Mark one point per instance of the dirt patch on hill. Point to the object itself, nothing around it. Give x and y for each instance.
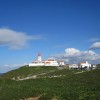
(36, 98)
(32, 98)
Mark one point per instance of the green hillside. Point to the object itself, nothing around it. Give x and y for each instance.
(25, 71)
(55, 84)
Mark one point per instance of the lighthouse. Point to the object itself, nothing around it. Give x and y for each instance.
(39, 62)
(39, 57)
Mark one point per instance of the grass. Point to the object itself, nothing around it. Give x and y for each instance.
(27, 71)
(82, 86)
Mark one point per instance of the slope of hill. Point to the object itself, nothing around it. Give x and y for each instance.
(1, 73)
(26, 71)
(70, 85)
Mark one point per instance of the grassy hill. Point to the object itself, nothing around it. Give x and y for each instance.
(25, 71)
(68, 85)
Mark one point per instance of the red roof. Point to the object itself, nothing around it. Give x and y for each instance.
(47, 62)
(50, 60)
(39, 54)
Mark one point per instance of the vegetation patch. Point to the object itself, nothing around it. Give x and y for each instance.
(71, 86)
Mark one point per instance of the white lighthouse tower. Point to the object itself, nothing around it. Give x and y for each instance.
(39, 57)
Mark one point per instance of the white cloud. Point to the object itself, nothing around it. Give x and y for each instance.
(14, 39)
(72, 55)
(71, 51)
(95, 45)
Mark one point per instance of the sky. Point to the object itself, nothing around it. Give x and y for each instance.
(67, 30)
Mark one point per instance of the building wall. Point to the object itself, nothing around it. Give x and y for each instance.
(61, 63)
(36, 64)
(85, 64)
(73, 66)
(45, 63)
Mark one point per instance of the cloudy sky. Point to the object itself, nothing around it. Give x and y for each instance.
(63, 29)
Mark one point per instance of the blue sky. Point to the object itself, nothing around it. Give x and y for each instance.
(64, 29)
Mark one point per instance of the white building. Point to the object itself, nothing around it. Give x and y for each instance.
(39, 57)
(85, 65)
(93, 66)
(73, 66)
(61, 63)
(51, 62)
(36, 63)
(39, 62)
